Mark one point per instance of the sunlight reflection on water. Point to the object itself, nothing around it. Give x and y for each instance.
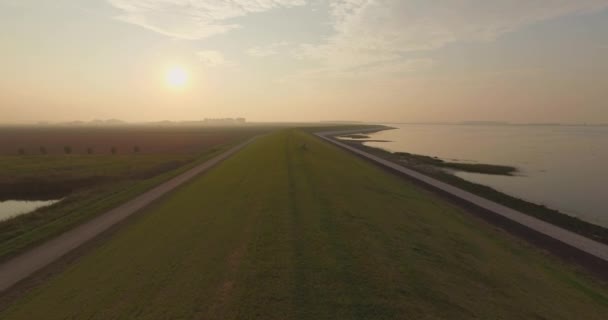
(562, 167)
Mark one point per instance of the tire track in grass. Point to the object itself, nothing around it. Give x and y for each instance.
(264, 287)
(319, 245)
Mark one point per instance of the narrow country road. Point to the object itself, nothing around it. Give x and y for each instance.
(584, 244)
(27, 263)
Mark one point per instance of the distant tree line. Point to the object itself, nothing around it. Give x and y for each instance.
(68, 150)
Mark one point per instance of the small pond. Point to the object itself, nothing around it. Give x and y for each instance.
(13, 208)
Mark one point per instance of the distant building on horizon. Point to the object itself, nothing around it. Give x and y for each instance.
(224, 121)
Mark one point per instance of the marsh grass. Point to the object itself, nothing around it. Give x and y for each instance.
(422, 160)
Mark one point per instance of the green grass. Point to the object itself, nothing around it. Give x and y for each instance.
(416, 160)
(13, 168)
(356, 136)
(284, 232)
(563, 220)
(480, 168)
(55, 176)
(92, 184)
(27, 230)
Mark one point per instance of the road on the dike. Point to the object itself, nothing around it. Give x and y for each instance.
(579, 242)
(26, 264)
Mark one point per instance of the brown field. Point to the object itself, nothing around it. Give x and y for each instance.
(43, 161)
(150, 140)
(90, 184)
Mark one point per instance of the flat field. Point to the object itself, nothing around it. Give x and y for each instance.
(294, 228)
(101, 140)
(56, 176)
(91, 183)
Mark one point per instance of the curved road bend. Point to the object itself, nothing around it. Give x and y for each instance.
(589, 246)
(24, 265)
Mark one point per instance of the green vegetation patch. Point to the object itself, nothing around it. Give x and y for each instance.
(356, 136)
(421, 160)
(295, 228)
(55, 176)
(93, 183)
(27, 230)
(563, 220)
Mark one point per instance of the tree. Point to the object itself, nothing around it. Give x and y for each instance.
(67, 149)
(43, 150)
(136, 149)
(21, 151)
(113, 150)
(89, 150)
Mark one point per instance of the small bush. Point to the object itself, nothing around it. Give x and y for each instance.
(21, 151)
(89, 150)
(113, 150)
(67, 150)
(43, 150)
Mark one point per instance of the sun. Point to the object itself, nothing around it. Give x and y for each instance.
(176, 77)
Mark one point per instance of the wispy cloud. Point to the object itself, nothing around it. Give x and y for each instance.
(372, 32)
(268, 50)
(386, 70)
(377, 35)
(212, 58)
(192, 19)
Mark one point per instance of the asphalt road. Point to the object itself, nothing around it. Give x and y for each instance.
(589, 246)
(24, 265)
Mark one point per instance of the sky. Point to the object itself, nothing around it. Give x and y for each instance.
(305, 60)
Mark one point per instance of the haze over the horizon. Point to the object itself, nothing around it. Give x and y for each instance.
(304, 60)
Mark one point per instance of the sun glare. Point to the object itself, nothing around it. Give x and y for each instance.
(176, 77)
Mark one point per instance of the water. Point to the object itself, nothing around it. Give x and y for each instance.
(13, 208)
(561, 167)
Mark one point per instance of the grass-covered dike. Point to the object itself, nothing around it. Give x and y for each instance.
(91, 184)
(294, 228)
(432, 167)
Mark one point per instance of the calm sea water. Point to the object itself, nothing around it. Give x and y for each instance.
(13, 208)
(562, 167)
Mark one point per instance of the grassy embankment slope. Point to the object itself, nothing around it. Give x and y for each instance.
(282, 231)
(24, 231)
(91, 184)
(429, 166)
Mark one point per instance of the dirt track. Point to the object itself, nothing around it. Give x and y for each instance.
(29, 262)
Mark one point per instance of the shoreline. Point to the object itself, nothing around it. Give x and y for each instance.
(553, 216)
(584, 253)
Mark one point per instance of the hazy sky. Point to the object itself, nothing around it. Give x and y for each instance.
(302, 60)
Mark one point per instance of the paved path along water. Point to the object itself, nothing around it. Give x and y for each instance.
(572, 239)
(27, 263)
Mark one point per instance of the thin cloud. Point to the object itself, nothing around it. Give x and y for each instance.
(211, 58)
(386, 70)
(192, 19)
(267, 50)
(368, 32)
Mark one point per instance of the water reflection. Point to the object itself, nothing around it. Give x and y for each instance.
(13, 208)
(562, 167)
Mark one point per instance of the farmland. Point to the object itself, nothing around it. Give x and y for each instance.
(294, 228)
(101, 140)
(78, 165)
